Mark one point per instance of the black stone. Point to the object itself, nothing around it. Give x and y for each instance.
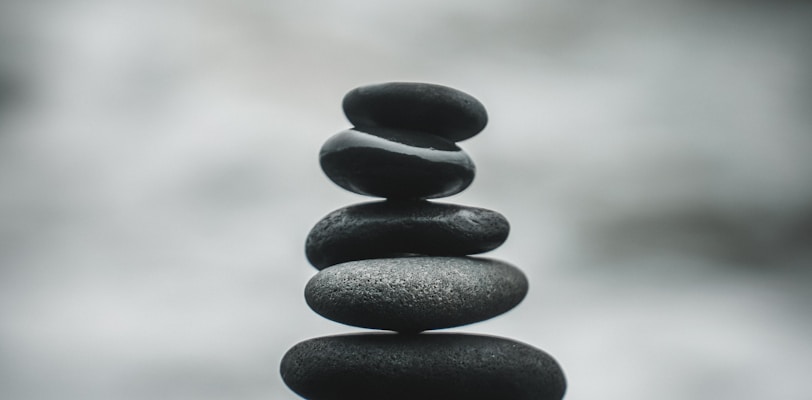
(413, 294)
(396, 164)
(425, 367)
(429, 108)
(394, 228)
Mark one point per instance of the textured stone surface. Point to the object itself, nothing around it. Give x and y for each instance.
(396, 164)
(412, 294)
(425, 367)
(434, 109)
(393, 228)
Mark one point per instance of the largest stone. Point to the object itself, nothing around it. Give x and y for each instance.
(425, 367)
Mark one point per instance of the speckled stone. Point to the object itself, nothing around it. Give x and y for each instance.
(426, 367)
(413, 294)
(394, 228)
(424, 107)
(396, 164)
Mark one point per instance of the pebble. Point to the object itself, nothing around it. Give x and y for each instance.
(396, 164)
(413, 294)
(425, 366)
(394, 228)
(434, 109)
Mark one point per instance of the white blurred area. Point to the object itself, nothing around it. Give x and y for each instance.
(159, 174)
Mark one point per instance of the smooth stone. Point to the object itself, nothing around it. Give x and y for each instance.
(424, 107)
(413, 294)
(396, 164)
(427, 367)
(394, 228)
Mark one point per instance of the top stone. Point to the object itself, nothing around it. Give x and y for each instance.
(429, 108)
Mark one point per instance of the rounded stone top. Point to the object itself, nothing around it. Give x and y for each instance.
(425, 107)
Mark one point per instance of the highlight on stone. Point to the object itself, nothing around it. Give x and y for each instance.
(404, 264)
(396, 164)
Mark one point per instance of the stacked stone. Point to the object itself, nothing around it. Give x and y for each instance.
(403, 264)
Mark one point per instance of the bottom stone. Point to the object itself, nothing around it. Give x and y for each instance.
(427, 366)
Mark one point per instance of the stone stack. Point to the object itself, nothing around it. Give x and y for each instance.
(403, 264)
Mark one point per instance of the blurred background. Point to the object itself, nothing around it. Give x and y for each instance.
(159, 174)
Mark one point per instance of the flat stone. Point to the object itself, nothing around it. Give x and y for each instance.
(413, 294)
(394, 228)
(425, 366)
(424, 107)
(396, 164)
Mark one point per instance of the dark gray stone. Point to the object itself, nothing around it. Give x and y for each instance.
(396, 164)
(424, 107)
(425, 367)
(394, 228)
(413, 294)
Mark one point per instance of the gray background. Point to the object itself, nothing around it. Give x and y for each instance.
(159, 173)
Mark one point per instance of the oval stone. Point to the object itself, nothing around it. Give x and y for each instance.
(435, 109)
(396, 164)
(394, 228)
(413, 294)
(426, 366)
